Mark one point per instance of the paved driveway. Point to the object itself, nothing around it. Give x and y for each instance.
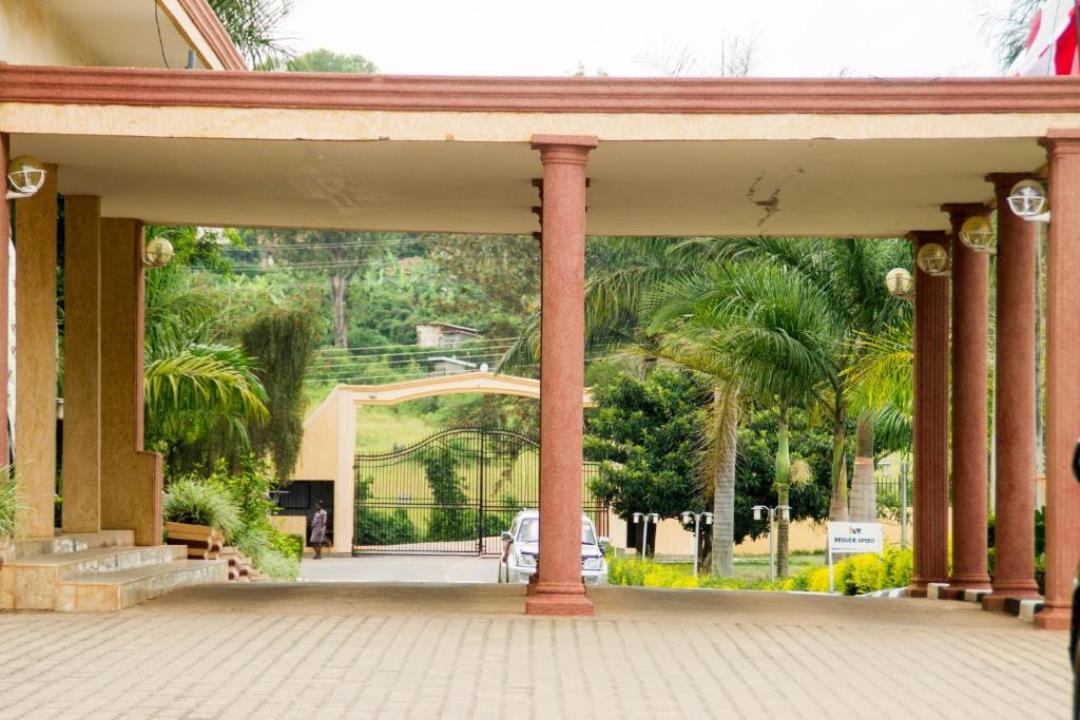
(465, 651)
(401, 568)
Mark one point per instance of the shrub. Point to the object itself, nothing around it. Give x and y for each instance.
(818, 580)
(448, 522)
(201, 502)
(9, 504)
(864, 573)
(377, 527)
(650, 573)
(237, 503)
(899, 567)
(1040, 571)
(288, 545)
(278, 566)
(857, 574)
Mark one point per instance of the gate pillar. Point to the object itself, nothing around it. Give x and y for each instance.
(559, 590)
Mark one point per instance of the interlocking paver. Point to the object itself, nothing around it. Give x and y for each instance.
(351, 651)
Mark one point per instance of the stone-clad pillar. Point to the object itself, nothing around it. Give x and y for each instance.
(971, 314)
(35, 345)
(1062, 379)
(1014, 419)
(81, 467)
(130, 478)
(5, 234)
(931, 415)
(559, 590)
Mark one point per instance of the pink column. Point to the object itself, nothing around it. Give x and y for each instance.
(1062, 379)
(971, 309)
(931, 431)
(1014, 420)
(559, 589)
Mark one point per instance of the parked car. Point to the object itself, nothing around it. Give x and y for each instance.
(521, 550)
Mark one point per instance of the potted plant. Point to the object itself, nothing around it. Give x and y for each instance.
(200, 515)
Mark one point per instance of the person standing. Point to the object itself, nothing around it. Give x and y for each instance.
(318, 530)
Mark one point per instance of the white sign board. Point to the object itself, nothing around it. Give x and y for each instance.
(848, 538)
(851, 538)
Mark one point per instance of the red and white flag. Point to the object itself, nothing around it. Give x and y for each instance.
(1051, 45)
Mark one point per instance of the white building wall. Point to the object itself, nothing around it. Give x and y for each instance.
(31, 35)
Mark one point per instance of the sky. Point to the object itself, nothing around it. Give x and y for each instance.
(791, 38)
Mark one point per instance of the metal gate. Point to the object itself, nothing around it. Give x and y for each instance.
(453, 492)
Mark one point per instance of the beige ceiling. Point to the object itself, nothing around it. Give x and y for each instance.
(821, 187)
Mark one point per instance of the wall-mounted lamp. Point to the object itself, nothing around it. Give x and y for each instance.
(1028, 201)
(900, 284)
(933, 259)
(158, 253)
(25, 176)
(978, 234)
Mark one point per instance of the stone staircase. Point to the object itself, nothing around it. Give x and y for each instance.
(97, 572)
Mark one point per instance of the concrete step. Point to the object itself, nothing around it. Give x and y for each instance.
(30, 583)
(69, 543)
(106, 592)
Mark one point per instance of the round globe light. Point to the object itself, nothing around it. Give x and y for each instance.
(978, 234)
(26, 174)
(1028, 198)
(158, 253)
(899, 283)
(933, 259)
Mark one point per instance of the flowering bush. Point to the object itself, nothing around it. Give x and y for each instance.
(853, 575)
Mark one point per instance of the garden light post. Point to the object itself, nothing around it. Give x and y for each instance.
(698, 517)
(784, 513)
(645, 519)
(903, 504)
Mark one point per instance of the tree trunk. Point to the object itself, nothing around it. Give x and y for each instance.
(838, 508)
(726, 425)
(863, 485)
(783, 491)
(339, 284)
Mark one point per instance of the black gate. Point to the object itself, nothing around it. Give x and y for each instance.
(452, 492)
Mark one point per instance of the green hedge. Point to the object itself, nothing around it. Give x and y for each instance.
(649, 573)
(858, 574)
(854, 575)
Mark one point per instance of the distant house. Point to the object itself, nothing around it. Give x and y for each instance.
(440, 366)
(442, 335)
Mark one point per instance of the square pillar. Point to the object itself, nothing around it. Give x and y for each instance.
(1062, 380)
(131, 480)
(81, 467)
(559, 589)
(1015, 407)
(970, 423)
(35, 343)
(5, 317)
(931, 425)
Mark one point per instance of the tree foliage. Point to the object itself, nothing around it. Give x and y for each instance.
(253, 27)
(283, 341)
(646, 435)
(450, 519)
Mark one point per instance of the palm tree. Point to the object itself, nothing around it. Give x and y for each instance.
(615, 298)
(767, 329)
(253, 27)
(848, 273)
(196, 389)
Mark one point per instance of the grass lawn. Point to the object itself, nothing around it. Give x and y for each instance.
(380, 429)
(756, 567)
